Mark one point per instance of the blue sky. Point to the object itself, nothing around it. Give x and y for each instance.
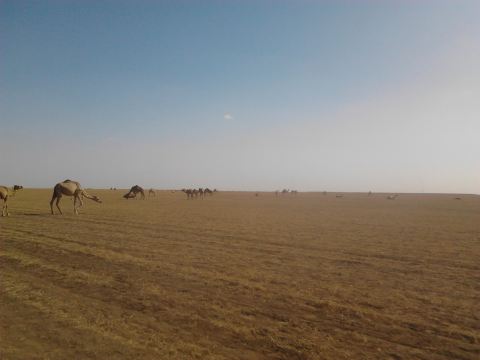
(335, 95)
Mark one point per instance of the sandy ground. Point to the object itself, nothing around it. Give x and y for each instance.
(235, 276)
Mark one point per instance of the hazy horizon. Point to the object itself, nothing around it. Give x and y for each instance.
(335, 96)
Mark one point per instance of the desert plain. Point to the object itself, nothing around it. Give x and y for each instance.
(239, 276)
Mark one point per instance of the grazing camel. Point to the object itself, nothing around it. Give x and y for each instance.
(152, 192)
(16, 188)
(4, 197)
(70, 188)
(134, 191)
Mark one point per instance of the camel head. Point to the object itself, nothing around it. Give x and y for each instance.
(96, 198)
(128, 195)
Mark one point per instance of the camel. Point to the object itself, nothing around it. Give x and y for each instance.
(152, 192)
(201, 192)
(16, 188)
(4, 197)
(134, 191)
(189, 193)
(392, 197)
(70, 188)
(208, 191)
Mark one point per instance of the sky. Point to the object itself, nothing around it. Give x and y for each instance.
(242, 95)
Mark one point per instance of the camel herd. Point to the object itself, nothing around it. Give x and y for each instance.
(200, 192)
(73, 189)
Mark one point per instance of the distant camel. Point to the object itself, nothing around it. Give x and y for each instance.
(4, 197)
(16, 188)
(201, 192)
(152, 192)
(134, 191)
(208, 191)
(189, 193)
(70, 188)
(392, 197)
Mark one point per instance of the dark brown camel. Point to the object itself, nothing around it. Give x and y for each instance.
(134, 191)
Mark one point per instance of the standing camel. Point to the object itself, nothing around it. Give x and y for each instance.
(70, 188)
(16, 188)
(208, 191)
(152, 192)
(134, 191)
(190, 193)
(4, 197)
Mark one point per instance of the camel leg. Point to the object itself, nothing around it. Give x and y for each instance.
(58, 206)
(51, 203)
(4, 206)
(75, 197)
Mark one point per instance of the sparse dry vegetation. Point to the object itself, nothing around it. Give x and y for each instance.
(234, 276)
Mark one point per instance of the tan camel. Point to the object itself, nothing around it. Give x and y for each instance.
(70, 188)
(4, 196)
